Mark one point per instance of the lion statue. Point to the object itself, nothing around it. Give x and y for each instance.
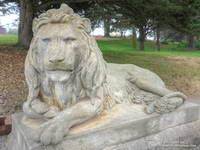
(69, 81)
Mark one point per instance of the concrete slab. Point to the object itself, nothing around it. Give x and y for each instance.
(120, 126)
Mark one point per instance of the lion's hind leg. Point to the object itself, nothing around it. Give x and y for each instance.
(169, 100)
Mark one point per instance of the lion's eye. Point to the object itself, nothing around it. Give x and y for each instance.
(69, 39)
(46, 39)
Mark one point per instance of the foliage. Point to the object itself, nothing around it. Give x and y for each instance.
(179, 45)
(175, 44)
(197, 44)
(9, 7)
(166, 42)
(181, 15)
(98, 14)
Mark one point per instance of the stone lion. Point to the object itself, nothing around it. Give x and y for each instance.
(70, 82)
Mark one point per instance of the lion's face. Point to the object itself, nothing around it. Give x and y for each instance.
(61, 48)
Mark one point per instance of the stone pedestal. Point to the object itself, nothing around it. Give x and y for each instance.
(123, 128)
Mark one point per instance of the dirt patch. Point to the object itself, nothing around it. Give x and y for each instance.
(13, 88)
(187, 86)
(187, 78)
(184, 59)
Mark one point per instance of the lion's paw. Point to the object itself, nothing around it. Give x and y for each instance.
(52, 112)
(51, 132)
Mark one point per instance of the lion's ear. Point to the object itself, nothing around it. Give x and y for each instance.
(87, 25)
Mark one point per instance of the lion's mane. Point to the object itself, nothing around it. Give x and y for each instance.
(91, 72)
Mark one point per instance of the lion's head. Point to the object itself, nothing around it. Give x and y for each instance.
(63, 51)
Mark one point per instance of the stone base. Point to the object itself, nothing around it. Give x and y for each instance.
(123, 128)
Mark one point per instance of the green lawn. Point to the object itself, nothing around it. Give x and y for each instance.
(124, 45)
(8, 39)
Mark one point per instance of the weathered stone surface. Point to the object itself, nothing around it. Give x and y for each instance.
(182, 137)
(125, 127)
(70, 82)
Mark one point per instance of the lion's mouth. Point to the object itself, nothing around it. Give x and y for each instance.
(60, 69)
(59, 75)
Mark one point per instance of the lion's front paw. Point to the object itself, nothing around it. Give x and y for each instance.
(52, 112)
(39, 107)
(51, 132)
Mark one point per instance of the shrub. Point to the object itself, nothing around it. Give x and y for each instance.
(197, 44)
(178, 44)
(182, 44)
(165, 42)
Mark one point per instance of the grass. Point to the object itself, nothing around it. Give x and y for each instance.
(179, 75)
(124, 45)
(8, 39)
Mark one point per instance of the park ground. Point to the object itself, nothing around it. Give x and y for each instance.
(178, 67)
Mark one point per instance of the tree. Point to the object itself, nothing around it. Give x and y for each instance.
(155, 14)
(186, 18)
(25, 9)
(134, 38)
(99, 14)
(120, 24)
(25, 24)
(28, 9)
(107, 29)
(138, 13)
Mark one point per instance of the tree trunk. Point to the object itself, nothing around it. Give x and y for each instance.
(154, 35)
(198, 37)
(25, 25)
(142, 38)
(121, 34)
(158, 38)
(106, 28)
(134, 38)
(191, 41)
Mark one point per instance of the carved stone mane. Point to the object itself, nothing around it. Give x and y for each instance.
(90, 75)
